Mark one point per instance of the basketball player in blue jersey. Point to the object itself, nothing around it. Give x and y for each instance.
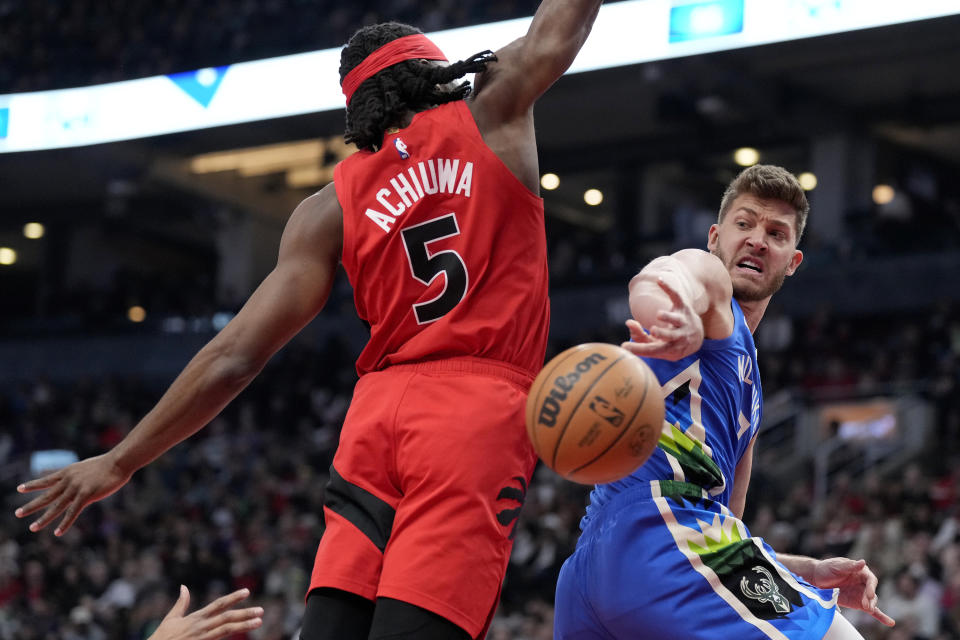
(664, 554)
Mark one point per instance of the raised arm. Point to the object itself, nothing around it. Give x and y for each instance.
(529, 65)
(676, 301)
(289, 297)
(503, 95)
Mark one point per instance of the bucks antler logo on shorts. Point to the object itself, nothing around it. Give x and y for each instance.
(765, 590)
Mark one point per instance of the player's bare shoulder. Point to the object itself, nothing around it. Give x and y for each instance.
(710, 271)
(713, 275)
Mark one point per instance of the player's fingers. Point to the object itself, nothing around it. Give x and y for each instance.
(225, 602)
(648, 349)
(869, 588)
(54, 510)
(671, 317)
(666, 334)
(671, 292)
(848, 565)
(637, 332)
(70, 516)
(883, 618)
(236, 615)
(182, 604)
(39, 483)
(231, 628)
(37, 503)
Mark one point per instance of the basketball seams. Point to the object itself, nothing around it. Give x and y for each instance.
(544, 388)
(646, 390)
(558, 407)
(573, 412)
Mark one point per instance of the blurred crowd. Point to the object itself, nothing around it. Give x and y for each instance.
(66, 44)
(239, 505)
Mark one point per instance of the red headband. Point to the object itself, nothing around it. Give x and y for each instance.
(413, 47)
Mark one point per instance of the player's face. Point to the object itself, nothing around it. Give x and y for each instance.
(757, 243)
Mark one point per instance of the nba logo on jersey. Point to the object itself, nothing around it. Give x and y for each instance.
(401, 148)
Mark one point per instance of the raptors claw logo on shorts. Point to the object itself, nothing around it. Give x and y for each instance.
(506, 516)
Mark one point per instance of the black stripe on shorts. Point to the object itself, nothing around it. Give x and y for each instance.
(365, 511)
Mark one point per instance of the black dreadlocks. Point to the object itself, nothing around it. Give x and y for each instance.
(381, 100)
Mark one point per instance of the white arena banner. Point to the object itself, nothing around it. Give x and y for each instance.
(625, 33)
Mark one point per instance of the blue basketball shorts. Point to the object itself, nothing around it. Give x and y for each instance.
(662, 562)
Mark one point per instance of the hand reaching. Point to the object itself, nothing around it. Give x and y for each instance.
(857, 584)
(677, 334)
(216, 620)
(70, 490)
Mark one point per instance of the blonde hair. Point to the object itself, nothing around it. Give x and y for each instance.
(771, 182)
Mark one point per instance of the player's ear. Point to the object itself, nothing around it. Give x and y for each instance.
(713, 236)
(794, 262)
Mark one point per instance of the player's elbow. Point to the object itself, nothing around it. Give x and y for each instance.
(238, 372)
(230, 368)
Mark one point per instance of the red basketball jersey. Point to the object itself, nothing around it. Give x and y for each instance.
(444, 246)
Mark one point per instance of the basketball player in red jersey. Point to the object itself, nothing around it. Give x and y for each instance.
(439, 226)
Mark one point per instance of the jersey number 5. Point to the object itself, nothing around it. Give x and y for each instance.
(426, 266)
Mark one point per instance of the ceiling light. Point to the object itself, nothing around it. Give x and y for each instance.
(7, 256)
(593, 197)
(136, 313)
(807, 181)
(746, 156)
(883, 194)
(33, 230)
(550, 181)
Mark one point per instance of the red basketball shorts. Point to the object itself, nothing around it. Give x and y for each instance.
(426, 487)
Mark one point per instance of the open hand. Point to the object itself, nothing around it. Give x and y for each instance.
(70, 490)
(677, 333)
(856, 582)
(216, 620)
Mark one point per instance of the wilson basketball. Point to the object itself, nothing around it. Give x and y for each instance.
(594, 413)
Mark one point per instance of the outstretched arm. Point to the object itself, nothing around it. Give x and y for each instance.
(503, 95)
(218, 619)
(285, 301)
(676, 301)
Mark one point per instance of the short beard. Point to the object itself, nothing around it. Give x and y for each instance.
(752, 294)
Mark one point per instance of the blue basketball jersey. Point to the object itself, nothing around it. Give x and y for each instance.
(713, 403)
